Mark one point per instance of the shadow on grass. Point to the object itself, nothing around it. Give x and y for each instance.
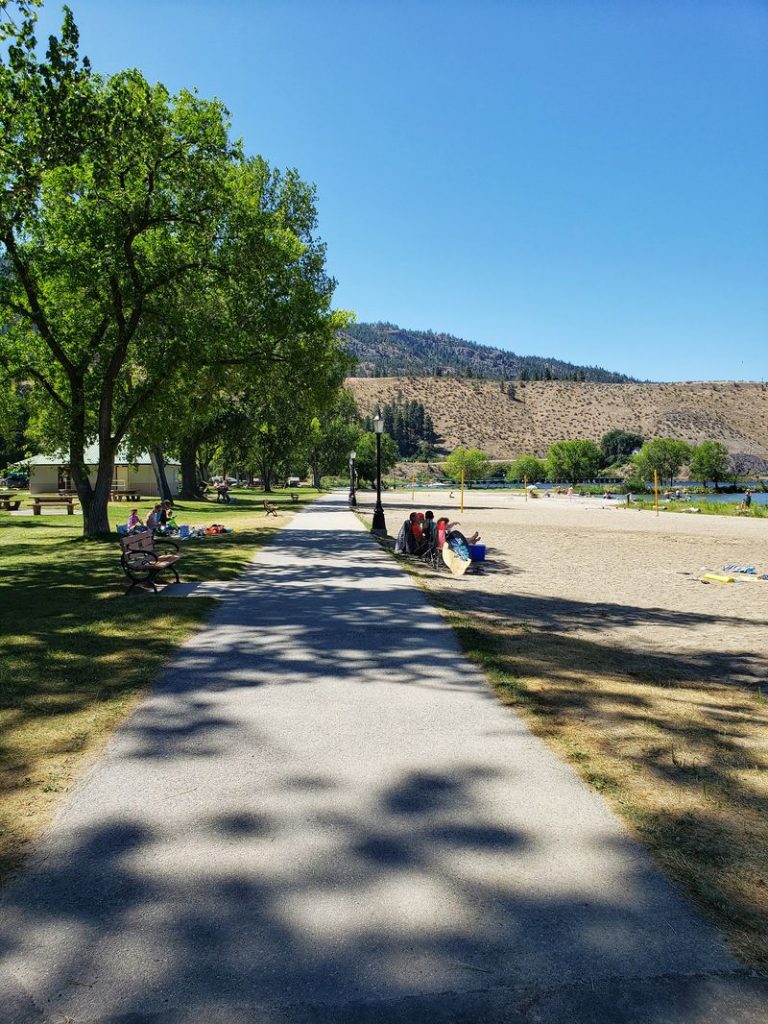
(667, 741)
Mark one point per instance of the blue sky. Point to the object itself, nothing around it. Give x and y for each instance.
(579, 179)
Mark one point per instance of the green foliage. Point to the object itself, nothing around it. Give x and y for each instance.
(618, 445)
(385, 350)
(410, 425)
(663, 454)
(473, 462)
(573, 461)
(332, 437)
(710, 462)
(139, 250)
(527, 467)
(366, 455)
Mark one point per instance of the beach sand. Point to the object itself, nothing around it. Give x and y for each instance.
(595, 570)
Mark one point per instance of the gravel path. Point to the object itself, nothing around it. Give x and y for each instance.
(321, 814)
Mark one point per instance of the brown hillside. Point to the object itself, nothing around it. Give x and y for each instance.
(479, 413)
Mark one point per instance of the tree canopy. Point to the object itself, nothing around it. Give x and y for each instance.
(710, 461)
(573, 461)
(666, 455)
(471, 461)
(618, 445)
(138, 244)
(526, 467)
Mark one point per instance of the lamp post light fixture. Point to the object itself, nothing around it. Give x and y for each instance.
(352, 492)
(379, 525)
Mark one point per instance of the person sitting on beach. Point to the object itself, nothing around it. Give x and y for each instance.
(405, 543)
(417, 532)
(430, 527)
(450, 529)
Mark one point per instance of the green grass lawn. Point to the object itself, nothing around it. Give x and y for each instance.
(704, 507)
(75, 652)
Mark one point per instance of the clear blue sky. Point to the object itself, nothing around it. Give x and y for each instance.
(587, 180)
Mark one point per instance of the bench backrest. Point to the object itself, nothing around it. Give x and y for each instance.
(138, 542)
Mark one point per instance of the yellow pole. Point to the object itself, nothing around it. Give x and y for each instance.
(656, 489)
(462, 491)
(525, 487)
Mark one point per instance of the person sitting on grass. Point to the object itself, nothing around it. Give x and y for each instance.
(154, 519)
(135, 522)
(166, 512)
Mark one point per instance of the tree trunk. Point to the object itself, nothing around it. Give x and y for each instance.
(316, 477)
(189, 488)
(158, 464)
(266, 477)
(94, 500)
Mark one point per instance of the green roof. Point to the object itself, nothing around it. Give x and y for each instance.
(91, 459)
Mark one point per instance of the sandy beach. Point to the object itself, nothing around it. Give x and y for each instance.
(625, 578)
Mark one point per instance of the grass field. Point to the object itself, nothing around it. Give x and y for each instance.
(683, 763)
(75, 653)
(706, 508)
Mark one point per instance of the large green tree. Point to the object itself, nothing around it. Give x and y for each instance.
(473, 462)
(573, 461)
(136, 245)
(331, 437)
(526, 467)
(665, 455)
(366, 455)
(618, 445)
(710, 462)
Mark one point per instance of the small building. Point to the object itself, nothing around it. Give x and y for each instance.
(50, 473)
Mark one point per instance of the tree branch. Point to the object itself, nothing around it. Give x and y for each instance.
(38, 314)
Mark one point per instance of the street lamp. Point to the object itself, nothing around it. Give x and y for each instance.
(352, 494)
(379, 525)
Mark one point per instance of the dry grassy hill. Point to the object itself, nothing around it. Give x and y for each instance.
(479, 413)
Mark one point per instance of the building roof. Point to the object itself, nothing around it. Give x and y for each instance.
(92, 459)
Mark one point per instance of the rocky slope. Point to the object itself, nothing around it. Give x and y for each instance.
(525, 418)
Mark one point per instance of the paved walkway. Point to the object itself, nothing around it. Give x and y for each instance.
(323, 815)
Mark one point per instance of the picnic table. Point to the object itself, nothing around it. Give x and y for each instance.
(122, 494)
(67, 500)
(10, 502)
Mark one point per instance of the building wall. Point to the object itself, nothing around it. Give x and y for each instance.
(45, 479)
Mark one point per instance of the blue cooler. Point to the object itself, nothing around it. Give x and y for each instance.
(477, 552)
(184, 530)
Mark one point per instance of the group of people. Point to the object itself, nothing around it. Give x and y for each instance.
(421, 532)
(160, 518)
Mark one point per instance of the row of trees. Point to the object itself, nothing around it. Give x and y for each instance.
(409, 425)
(159, 288)
(576, 461)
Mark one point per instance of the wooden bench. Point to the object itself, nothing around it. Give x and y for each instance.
(145, 557)
(269, 508)
(10, 504)
(37, 504)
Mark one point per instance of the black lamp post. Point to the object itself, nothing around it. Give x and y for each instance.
(379, 525)
(352, 493)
